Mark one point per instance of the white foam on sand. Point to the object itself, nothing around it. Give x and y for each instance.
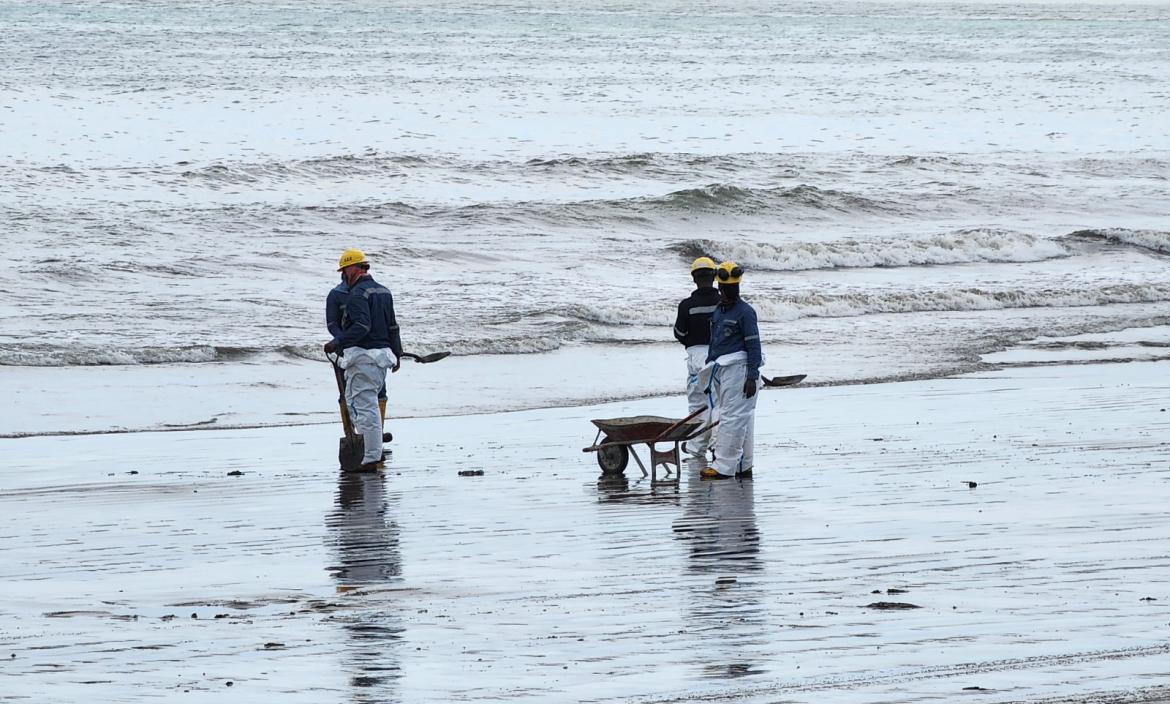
(135, 567)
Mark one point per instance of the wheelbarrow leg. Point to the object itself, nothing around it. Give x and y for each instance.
(639, 460)
(666, 458)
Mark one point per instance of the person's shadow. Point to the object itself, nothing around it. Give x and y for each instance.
(725, 610)
(365, 542)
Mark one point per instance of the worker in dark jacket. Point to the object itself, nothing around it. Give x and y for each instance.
(734, 358)
(692, 328)
(368, 346)
(335, 322)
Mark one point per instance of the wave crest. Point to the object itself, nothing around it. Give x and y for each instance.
(806, 305)
(327, 167)
(803, 202)
(959, 247)
(721, 196)
(772, 308)
(1153, 240)
(41, 356)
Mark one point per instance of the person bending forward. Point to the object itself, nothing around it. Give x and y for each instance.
(369, 345)
(734, 357)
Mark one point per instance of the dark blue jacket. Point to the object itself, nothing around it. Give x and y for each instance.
(734, 329)
(335, 319)
(372, 325)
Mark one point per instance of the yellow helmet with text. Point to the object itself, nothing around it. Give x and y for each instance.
(350, 257)
(703, 263)
(729, 273)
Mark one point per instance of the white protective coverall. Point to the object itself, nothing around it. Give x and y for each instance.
(697, 395)
(735, 439)
(365, 373)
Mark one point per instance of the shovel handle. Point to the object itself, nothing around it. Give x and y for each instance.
(339, 376)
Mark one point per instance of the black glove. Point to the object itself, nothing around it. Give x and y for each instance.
(749, 388)
(330, 347)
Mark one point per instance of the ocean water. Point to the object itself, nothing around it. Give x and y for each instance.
(908, 185)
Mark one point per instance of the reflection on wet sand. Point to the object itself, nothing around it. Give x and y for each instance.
(617, 488)
(727, 612)
(719, 524)
(365, 541)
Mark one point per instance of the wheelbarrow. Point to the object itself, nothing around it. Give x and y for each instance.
(616, 438)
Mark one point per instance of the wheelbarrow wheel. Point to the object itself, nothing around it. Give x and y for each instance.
(613, 458)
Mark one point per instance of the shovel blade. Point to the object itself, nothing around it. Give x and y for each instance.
(784, 380)
(350, 452)
(433, 357)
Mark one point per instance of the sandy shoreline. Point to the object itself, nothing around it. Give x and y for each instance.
(136, 568)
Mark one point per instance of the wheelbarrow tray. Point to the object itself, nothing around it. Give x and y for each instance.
(635, 429)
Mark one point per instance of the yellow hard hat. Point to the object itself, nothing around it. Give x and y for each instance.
(729, 273)
(702, 263)
(350, 257)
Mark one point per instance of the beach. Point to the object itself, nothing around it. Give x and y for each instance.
(1020, 510)
(951, 215)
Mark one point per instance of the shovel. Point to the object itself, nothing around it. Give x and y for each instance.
(784, 380)
(427, 358)
(352, 447)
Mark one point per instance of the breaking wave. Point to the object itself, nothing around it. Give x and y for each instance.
(43, 356)
(372, 163)
(661, 314)
(803, 202)
(926, 161)
(548, 330)
(1124, 167)
(724, 196)
(773, 308)
(959, 247)
(327, 167)
(660, 164)
(551, 338)
(818, 305)
(1153, 240)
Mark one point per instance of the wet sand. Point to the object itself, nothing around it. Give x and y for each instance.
(137, 567)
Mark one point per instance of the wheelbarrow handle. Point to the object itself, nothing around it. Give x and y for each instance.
(700, 431)
(671, 429)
